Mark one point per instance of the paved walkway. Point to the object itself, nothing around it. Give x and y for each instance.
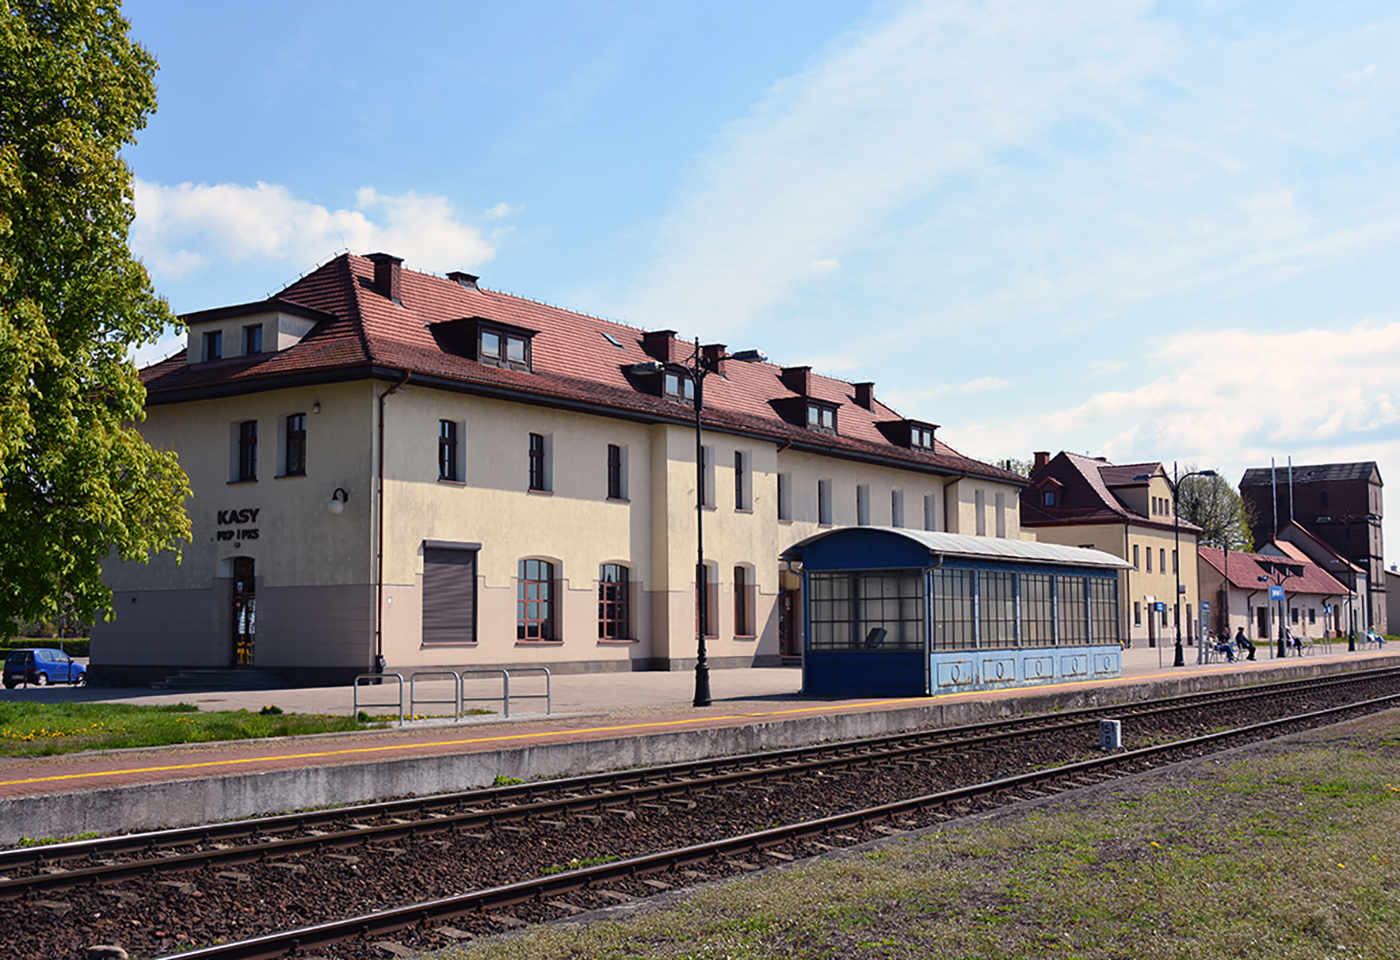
(585, 707)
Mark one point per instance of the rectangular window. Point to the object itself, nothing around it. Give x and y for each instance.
(1001, 515)
(743, 490)
(447, 450)
(707, 476)
(707, 601)
(869, 610)
(930, 511)
(743, 602)
(1163, 566)
(1293, 614)
(248, 450)
(1135, 556)
(863, 505)
(954, 626)
(1072, 604)
(214, 345)
(996, 606)
(1312, 614)
(617, 473)
(678, 386)
(1175, 561)
(534, 607)
(614, 602)
(504, 350)
(1149, 559)
(980, 506)
(821, 418)
(896, 508)
(1037, 610)
(539, 463)
(1137, 613)
(252, 339)
(449, 595)
(296, 444)
(824, 502)
(784, 496)
(1103, 609)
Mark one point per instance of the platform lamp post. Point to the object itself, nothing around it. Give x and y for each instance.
(696, 369)
(1173, 484)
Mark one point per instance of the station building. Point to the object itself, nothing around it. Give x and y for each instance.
(394, 469)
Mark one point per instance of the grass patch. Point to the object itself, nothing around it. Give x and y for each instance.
(43, 729)
(1288, 854)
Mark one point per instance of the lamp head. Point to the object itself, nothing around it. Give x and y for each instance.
(338, 500)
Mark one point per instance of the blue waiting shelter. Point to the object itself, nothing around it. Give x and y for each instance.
(891, 612)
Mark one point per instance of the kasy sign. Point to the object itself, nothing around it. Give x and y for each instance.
(236, 519)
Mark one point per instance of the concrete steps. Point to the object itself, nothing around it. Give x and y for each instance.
(221, 679)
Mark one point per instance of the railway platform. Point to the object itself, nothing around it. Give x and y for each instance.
(598, 721)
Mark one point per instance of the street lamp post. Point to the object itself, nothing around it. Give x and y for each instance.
(1173, 484)
(697, 368)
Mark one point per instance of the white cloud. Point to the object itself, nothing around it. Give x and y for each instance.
(825, 265)
(183, 229)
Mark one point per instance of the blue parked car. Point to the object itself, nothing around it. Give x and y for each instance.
(42, 666)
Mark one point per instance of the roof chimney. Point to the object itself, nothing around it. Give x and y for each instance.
(1042, 457)
(797, 379)
(467, 280)
(388, 275)
(865, 395)
(714, 356)
(659, 344)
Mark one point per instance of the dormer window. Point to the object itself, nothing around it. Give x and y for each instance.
(1049, 498)
(677, 386)
(252, 339)
(501, 348)
(921, 436)
(821, 416)
(213, 345)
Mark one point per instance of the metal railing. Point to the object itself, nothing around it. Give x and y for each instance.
(367, 679)
(459, 698)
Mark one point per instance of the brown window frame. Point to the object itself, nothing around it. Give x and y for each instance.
(614, 602)
(539, 475)
(447, 450)
(248, 451)
(534, 596)
(295, 445)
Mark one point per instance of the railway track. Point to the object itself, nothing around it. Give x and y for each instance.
(637, 811)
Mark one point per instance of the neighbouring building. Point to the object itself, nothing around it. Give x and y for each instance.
(1127, 511)
(1296, 541)
(1340, 504)
(1313, 604)
(390, 464)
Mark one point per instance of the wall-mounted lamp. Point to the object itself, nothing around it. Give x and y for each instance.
(338, 500)
(316, 407)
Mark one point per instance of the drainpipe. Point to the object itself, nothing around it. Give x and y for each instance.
(379, 535)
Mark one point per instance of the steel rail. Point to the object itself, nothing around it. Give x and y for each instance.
(278, 945)
(654, 782)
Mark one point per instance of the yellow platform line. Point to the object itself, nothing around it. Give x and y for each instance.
(507, 738)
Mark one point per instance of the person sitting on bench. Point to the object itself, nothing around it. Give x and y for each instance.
(1244, 643)
(1223, 645)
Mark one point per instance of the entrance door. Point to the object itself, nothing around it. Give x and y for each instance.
(245, 607)
(1262, 615)
(788, 643)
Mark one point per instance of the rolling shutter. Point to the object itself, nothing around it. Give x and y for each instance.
(449, 595)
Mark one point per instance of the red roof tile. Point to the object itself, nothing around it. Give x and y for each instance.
(574, 361)
(1245, 569)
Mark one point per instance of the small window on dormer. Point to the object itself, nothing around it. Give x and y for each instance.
(677, 386)
(502, 349)
(821, 417)
(920, 437)
(213, 345)
(252, 339)
(1047, 498)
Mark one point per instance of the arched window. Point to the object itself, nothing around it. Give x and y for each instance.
(535, 601)
(614, 602)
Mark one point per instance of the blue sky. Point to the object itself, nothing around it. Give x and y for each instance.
(1148, 231)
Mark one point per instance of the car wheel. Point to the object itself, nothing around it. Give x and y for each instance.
(10, 685)
(42, 680)
(80, 680)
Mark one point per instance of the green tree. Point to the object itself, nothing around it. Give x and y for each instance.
(77, 479)
(1218, 509)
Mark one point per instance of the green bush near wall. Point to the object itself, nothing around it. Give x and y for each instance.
(73, 646)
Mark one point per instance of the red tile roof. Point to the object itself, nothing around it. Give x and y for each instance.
(574, 361)
(1086, 494)
(1245, 569)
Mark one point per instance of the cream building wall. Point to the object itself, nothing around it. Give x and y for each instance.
(316, 571)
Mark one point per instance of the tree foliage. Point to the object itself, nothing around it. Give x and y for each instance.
(1217, 508)
(77, 479)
